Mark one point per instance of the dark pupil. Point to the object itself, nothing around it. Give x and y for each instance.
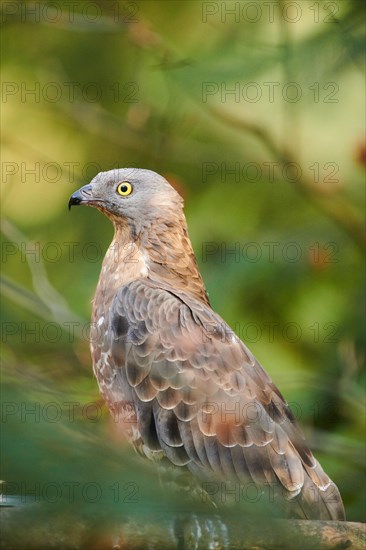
(124, 188)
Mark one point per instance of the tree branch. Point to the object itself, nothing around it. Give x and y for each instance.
(21, 528)
(330, 202)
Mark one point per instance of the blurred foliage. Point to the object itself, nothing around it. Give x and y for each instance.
(140, 99)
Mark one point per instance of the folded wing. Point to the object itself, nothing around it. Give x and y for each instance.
(202, 400)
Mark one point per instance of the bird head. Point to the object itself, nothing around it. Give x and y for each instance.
(131, 195)
(145, 209)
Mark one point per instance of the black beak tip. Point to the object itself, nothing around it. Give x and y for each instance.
(74, 200)
(81, 196)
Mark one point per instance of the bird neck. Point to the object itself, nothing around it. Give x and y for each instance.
(160, 251)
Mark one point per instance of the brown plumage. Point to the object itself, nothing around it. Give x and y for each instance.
(196, 396)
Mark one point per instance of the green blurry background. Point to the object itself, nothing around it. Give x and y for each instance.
(271, 166)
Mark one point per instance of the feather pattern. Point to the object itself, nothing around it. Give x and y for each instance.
(214, 406)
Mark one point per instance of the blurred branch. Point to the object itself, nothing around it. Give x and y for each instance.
(181, 531)
(333, 204)
(28, 150)
(46, 298)
(21, 296)
(258, 131)
(97, 120)
(338, 444)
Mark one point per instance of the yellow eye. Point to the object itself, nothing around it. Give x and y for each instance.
(124, 189)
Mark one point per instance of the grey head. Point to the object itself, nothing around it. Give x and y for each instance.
(133, 195)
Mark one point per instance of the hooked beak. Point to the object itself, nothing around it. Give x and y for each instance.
(82, 196)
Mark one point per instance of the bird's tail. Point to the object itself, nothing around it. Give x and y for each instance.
(319, 498)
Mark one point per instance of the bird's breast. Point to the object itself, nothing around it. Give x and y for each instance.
(123, 263)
